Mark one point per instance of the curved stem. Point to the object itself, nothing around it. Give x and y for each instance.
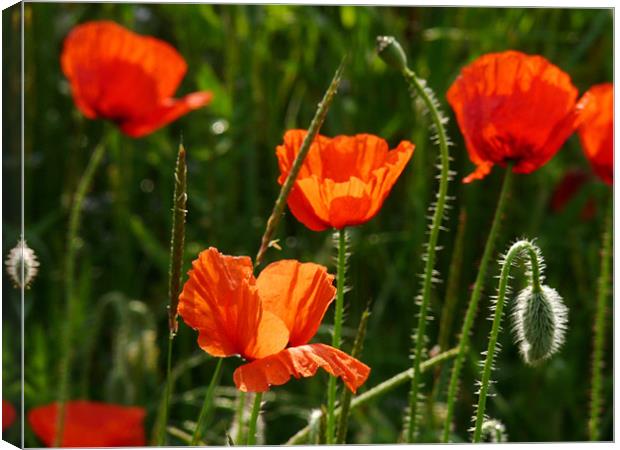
(258, 398)
(599, 328)
(67, 331)
(473, 303)
(418, 87)
(331, 388)
(377, 391)
(518, 249)
(207, 404)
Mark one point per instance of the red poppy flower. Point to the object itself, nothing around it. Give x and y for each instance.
(130, 79)
(596, 131)
(344, 180)
(513, 107)
(90, 424)
(8, 414)
(268, 321)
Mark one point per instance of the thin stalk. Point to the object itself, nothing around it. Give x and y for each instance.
(347, 395)
(418, 87)
(239, 413)
(207, 404)
(67, 331)
(379, 390)
(331, 388)
(516, 250)
(599, 328)
(177, 241)
(258, 398)
(313, 129)
(473, 302)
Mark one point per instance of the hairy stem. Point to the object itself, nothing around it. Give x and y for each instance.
(418, 87)
(67, 330)
(207, 404)
(315, 126)
(331, 388)
(177, 241)
(473, 302)
(518, 249)
(599, 328)
(258, 398)
(379, 390)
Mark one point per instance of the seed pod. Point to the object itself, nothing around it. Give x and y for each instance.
(22, 255)
(539, 323)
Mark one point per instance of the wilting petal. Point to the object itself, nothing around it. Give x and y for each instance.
(124, 77)
(90, 424)
(8, 414)
(302, 361)
(299, 294)
(220, 300)
(596, 131)
(513, 108)
(343, 181)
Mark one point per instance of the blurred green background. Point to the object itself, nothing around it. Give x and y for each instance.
(268, 66)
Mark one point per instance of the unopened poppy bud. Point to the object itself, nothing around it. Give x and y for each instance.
(390, 51)
(22, 256)
(540, 318)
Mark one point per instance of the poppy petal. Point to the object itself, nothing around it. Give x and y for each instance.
(122, 76)
(301, 361)
(90, 424)
(220, 300)
(299, 294)
(596, 131)
(343, 181)
(513, 108)
(167, 112)
(8, 414)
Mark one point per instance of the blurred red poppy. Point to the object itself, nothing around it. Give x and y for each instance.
(268, 321)
(127, 78)
(8, 414)
(90, 424)
(513, 107)
(344, 180)
(596, 131)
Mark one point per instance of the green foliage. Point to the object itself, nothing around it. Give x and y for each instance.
(268, 67)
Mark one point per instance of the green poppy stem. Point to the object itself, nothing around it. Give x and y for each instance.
(340, 282)
(472, 307)
(599, 327)
(207, 405)
(67, 330)
(518, 249)
(258, 398)
(418, 87)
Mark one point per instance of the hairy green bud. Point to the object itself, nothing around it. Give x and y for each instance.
(539, 322)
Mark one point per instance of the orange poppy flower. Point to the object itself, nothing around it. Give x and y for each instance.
(596, 132)
(130, 79)
(513, 107)
(343, 180)
(8, 414)
(266, 320)
(90, 424)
